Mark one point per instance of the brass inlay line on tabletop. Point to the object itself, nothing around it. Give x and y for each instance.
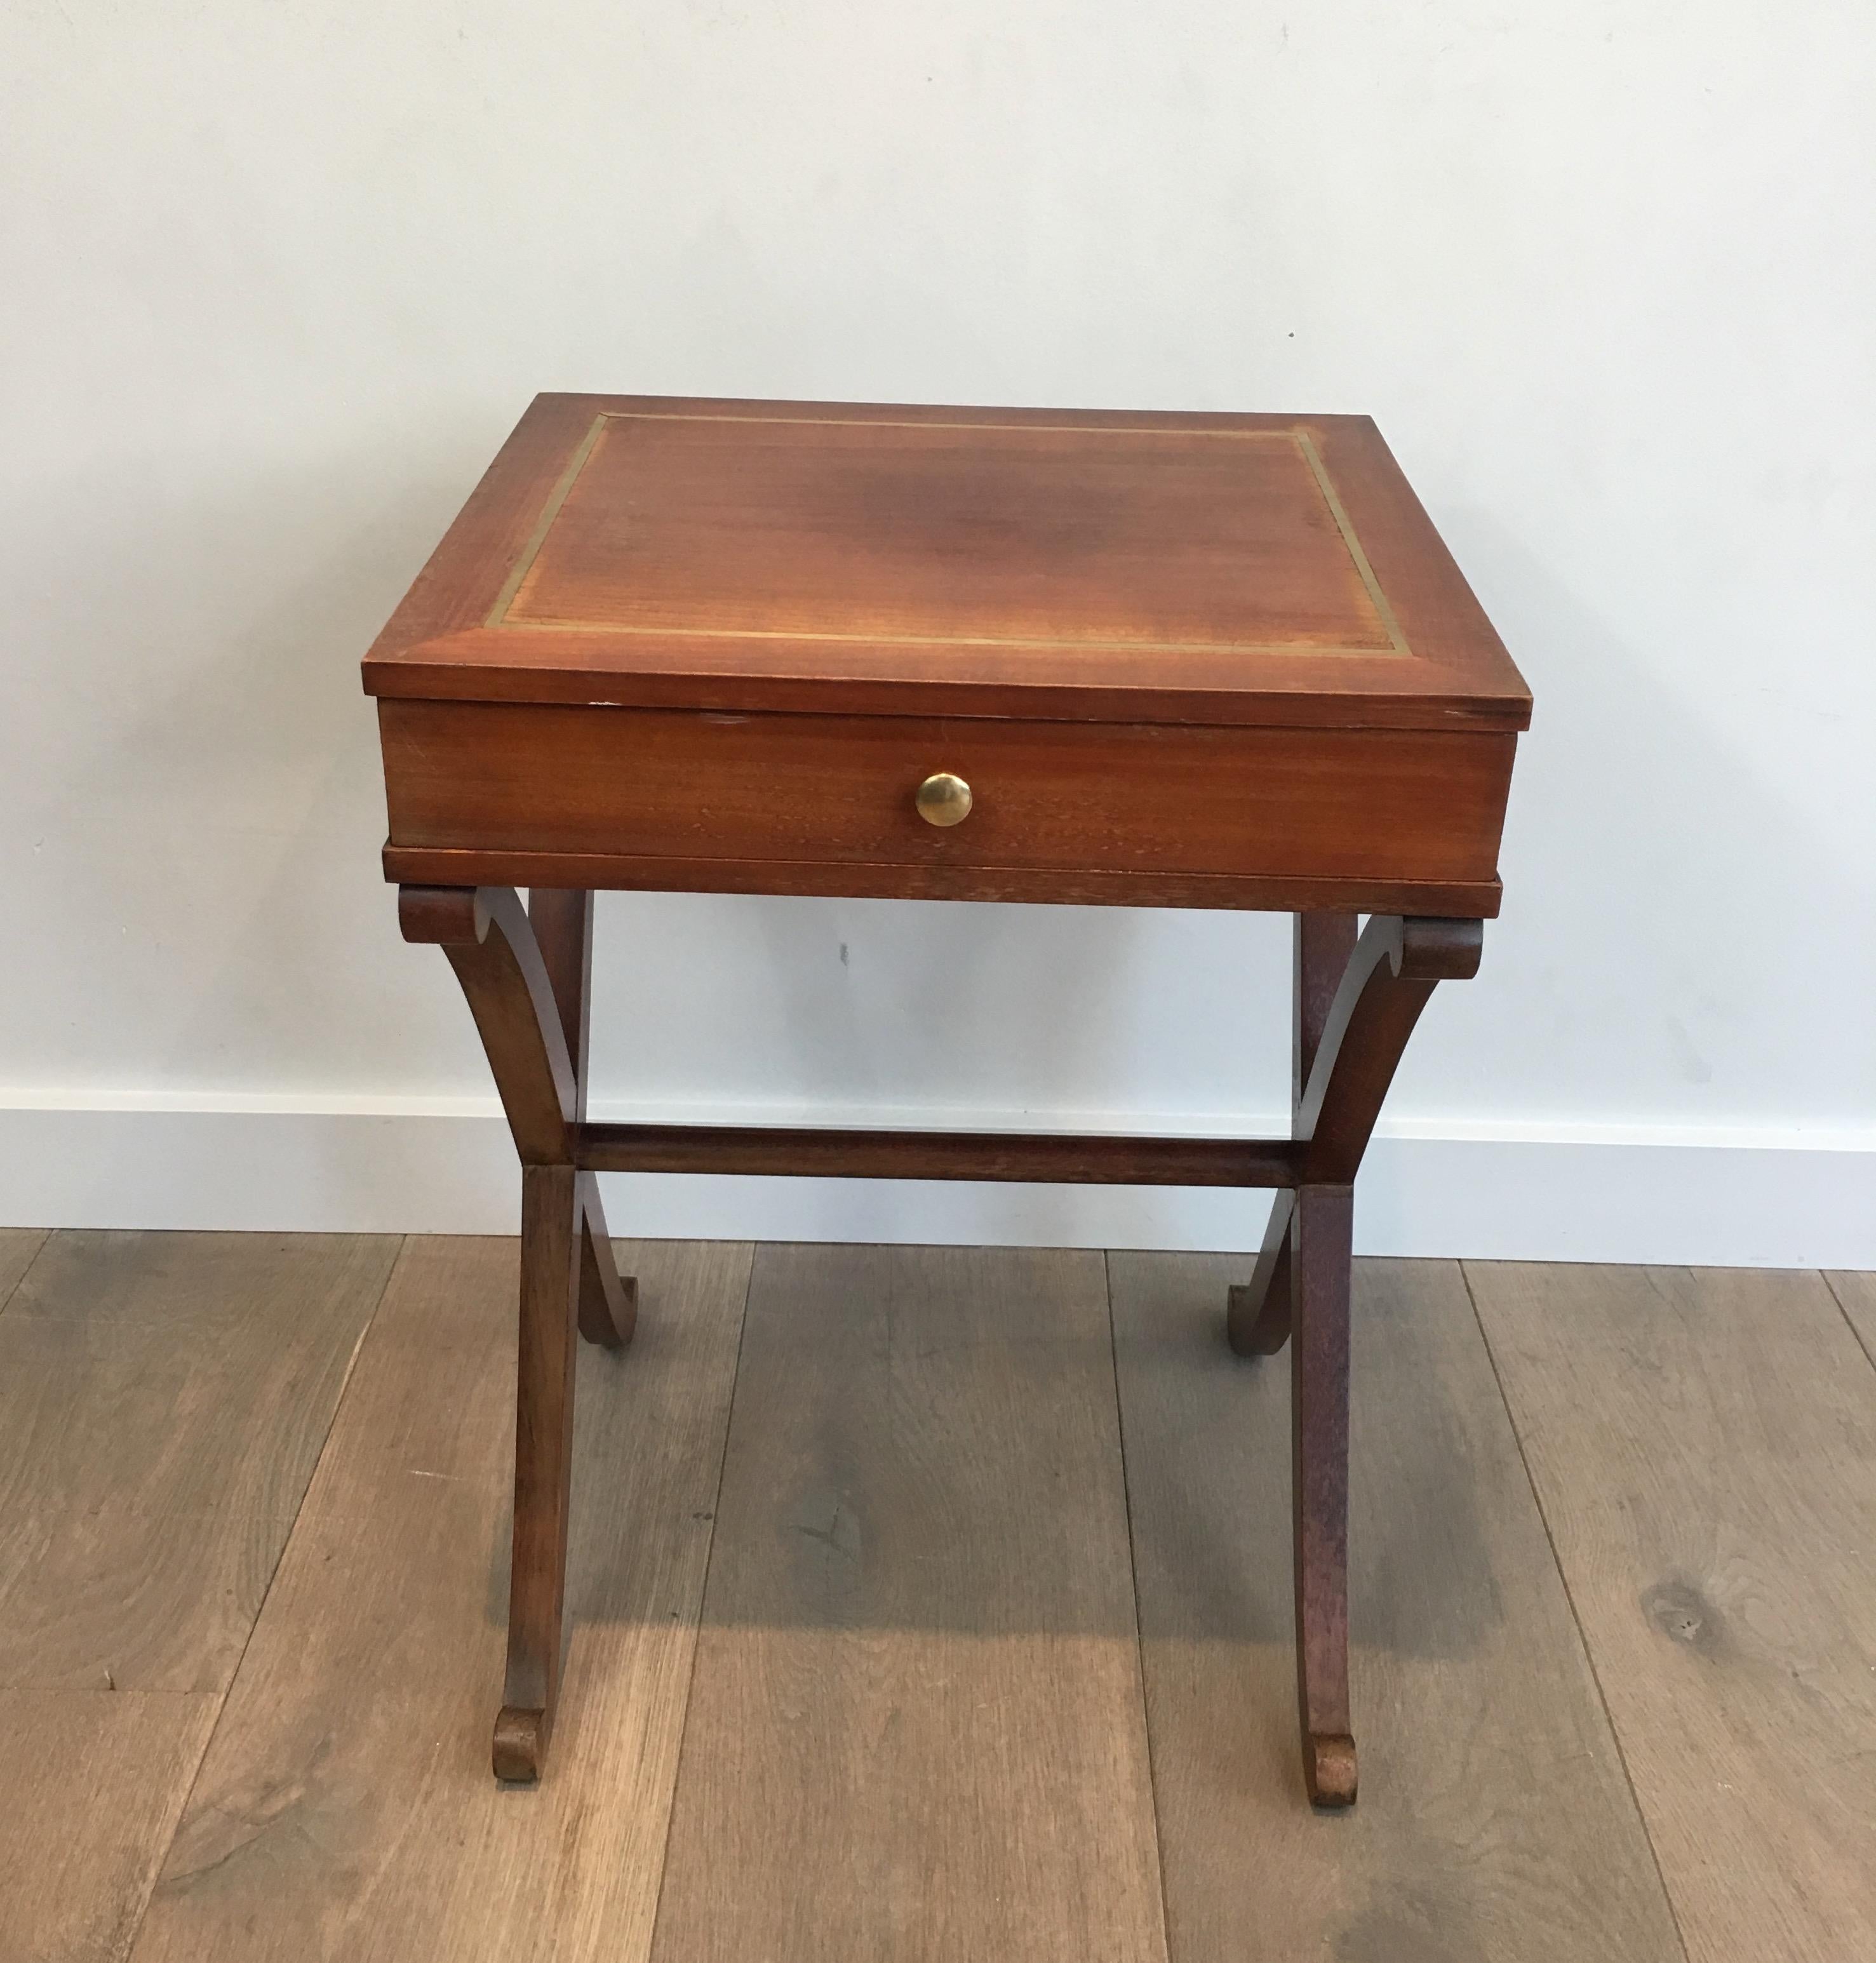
(1299, 439)
(543, 524)
(909, 422)
(550, 626)
(1306, 443)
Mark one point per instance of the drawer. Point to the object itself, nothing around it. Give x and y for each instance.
(1394, 806)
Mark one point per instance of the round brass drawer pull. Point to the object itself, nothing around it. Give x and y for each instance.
(943, 799)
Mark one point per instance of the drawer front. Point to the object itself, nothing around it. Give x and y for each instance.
(1412, 806)
(1407, 806)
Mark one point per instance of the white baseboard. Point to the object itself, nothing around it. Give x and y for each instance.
(1760, 1197)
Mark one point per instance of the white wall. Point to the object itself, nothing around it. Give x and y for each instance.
(279, 277)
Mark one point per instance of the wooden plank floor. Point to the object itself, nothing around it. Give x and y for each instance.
(1705, 1447)
(917, 1729)
(346, 1807)
(929, 1603)
(163, 1400)
(1494, 1818)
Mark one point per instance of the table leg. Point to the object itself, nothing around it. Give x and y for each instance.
(543, 1466)
(1319, 1489)
(1348, 1041)
(527, 993)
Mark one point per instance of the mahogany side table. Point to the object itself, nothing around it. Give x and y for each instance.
(1140, 659)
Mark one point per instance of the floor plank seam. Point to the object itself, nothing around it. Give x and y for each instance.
(32, 1262)
(1843, 1309)
(1583, 1638)
(156, 1867)
(703, 1597)
(1139, 1634)
(280, 1558)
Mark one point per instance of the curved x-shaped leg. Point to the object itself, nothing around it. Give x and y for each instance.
(1350, 1036)
(528, 996)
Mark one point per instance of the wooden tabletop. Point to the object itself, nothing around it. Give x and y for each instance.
(1084, 566)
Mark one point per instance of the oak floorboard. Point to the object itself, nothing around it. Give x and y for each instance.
(1704, 1445)
(1494, 1820)
(917, 1729)
(163, 1399)
(346, 1807)
(95, 1783)
(1856, 1291)
(18, 1246)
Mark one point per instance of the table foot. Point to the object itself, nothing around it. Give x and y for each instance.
(1329, 1768)
(520, 1744)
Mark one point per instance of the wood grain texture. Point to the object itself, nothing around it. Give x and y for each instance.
(345, 1809)
(917, 1729)
(1856, 1291)
(992, 562)
(1408, 806)
(163, 1398)
(1091, 886)
(1704, 1445)
(1495, 1821)
(93, 1784)
(18, 1246)
(1072, 536)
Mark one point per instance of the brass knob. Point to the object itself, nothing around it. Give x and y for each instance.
(943, 799)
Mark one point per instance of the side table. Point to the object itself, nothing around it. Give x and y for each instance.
(1137, 659)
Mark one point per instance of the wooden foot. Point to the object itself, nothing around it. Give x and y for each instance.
(1257, 1313)
(1329, 1769)
(520, 1745)
(1319, 1430)
(543, 1465)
